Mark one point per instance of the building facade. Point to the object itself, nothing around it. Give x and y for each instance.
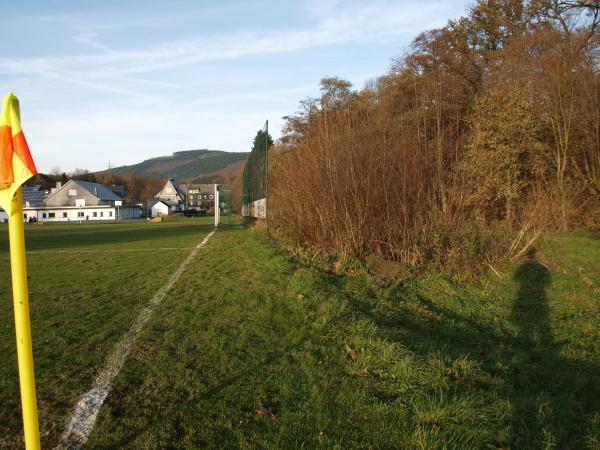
(170, 195)
(172, 199)
(76, 201)
(158, 209)
(200, 197)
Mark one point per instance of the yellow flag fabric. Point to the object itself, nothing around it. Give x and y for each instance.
(16, 164)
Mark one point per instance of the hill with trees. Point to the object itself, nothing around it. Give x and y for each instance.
(189, 165)
(143, 180)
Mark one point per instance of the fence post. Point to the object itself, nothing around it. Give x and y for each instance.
(216, 207)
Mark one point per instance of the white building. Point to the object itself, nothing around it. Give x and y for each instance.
(76, 201)
(158, 208)
(170, 195)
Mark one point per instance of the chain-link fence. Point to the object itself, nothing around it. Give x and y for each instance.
(226, 216)
(255, 187)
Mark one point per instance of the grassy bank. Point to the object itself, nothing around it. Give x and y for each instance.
(253, 350)
(87, 284)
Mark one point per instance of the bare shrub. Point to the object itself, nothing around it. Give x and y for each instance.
(485, 134)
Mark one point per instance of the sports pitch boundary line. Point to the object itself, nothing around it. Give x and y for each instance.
(81, 422)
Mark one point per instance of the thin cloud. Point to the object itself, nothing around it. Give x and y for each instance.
(106, 97)
(373, 22)
(90, 39)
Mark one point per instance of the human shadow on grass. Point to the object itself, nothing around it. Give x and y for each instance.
(553, 399)
(530, 376)
(552, 395)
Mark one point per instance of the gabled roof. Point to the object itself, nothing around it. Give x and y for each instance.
(100, 191)
(180, 191)
(172, 184)
(155, 201)
(96, 189)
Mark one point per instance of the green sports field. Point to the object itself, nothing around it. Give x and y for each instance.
(252, 349)
(87, 284)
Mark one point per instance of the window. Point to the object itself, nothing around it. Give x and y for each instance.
(110, 214)
(26, 204)
(43, 215)
(72, 192)
(95, 214)
(101, 213)
(65, 215)
(51, 215)
(79, 213)
(191, 197)
(25, 216)
(210, 196)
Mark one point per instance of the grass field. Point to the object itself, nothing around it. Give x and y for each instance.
(251, 349)
(85, 291)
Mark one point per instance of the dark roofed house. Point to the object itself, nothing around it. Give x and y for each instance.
(170, 195)
(77, 200)
(77, 192)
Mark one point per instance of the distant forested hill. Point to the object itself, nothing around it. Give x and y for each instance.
(188, 165)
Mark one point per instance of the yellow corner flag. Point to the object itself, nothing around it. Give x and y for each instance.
(16, 167)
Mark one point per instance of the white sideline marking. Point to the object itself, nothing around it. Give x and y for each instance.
(86, 411)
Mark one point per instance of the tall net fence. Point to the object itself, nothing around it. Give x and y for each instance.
(255, 184)
(226, 216)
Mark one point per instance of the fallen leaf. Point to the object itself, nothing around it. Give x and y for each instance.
(262, 411)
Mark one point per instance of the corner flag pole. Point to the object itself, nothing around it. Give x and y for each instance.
(22, 324)
(16, 167)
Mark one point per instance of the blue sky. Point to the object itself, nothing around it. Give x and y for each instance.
(126, 81)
